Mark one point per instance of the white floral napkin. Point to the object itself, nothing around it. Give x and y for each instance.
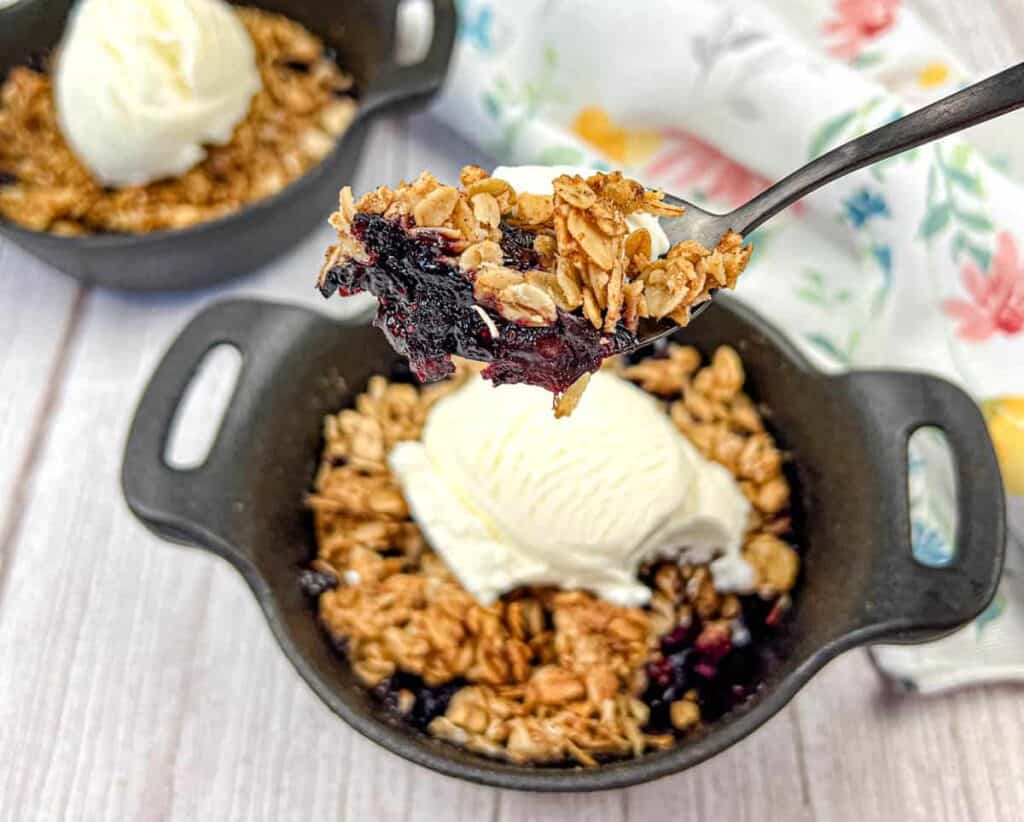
(915, 263)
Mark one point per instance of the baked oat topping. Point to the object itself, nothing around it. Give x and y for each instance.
(528, 261)
(586, 255)
(545, 675)
(304, 105)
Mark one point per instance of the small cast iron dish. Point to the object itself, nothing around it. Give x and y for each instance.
(362, 32)
(848, 435)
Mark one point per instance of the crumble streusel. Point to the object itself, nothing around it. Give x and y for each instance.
(543, 288)
(547, 676)
(305, 103)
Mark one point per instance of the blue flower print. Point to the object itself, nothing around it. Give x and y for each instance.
(476, 29)
(929, 546)
(864, 206)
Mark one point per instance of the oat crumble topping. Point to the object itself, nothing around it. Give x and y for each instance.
(543, 675)
(582, 258)
(304, 105)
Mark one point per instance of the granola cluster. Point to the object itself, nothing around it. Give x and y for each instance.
(542, 675)
(304, 105)
(587, 259)
(709, 406)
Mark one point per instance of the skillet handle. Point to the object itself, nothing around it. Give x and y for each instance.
(907, 601)
(205, 506)
(408, 87)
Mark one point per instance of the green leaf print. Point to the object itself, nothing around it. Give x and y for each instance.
(809, 296)
(960, 156)
(982, 257)
(866, 59)
(991, 613)
(829, 347)
(813, 288)
(936, 219)
(963, 180)
(956, 198)
(828, 132)
(491, 105)
(503, 88)
(513, 105)
(561, 156)
(976, 222)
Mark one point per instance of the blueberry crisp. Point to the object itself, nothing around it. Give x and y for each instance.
(541, 287)
(547, 675)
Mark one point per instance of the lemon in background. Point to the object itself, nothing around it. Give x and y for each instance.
(1005, 416)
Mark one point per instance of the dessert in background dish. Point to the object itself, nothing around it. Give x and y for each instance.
(141, 86)
(160, 115)
(510, 496)
(576, 669)
(541, 284)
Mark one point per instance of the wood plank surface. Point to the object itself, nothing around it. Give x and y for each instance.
(38, 318)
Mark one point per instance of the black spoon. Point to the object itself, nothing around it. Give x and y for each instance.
(998, 94)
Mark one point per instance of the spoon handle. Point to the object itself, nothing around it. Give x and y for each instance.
(998, 94)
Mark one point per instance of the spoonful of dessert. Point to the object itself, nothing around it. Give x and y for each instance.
(544, 272)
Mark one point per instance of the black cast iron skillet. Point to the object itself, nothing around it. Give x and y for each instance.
(848, 435)
(362, 32)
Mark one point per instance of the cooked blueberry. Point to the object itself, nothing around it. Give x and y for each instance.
(659, 672)
(680, 637)
(39, 62)
(714, 640)
(679, 660)
(314, 583)
(517, 245)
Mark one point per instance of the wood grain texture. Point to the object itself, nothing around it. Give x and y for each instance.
(36, 324)
(138, 680)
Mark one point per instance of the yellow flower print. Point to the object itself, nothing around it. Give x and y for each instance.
(935, 73)
(621, 145)
(1005, 417)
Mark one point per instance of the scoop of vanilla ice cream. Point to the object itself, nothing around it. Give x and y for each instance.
(141, 85)
(510, 496)
(538, 180)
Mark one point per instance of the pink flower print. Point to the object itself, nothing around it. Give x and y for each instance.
(689, 162)
(997, 298)
(856, 22)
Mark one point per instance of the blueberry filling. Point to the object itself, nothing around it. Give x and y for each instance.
(428, 312)
(429, 702)
(704, 660)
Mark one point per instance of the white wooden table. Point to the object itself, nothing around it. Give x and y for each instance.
(138, 680)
